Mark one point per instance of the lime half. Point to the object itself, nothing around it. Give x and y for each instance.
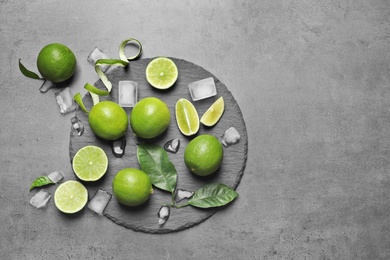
(186, 117)
(214, 113)
(90, 163)
(161, 73)
(71, 197)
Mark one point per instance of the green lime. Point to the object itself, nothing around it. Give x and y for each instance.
(203, 155)
(186, 117)
(131, 187)
(70, 197)
(150, 117)
(90, 163)
(161, 73)
(108, 120)
(56, 62)
(213, 113)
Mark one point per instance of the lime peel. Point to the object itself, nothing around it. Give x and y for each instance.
(122, 62)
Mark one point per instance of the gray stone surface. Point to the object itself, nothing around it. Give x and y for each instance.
(311, 78)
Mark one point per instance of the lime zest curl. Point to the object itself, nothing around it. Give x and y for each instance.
(122, 62)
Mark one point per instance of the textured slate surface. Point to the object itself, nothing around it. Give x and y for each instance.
(144, 218)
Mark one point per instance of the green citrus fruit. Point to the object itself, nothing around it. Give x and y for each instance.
(71, 197)
(108, 120)
(203, 155)
(186, 117)
(161, 73)
(131, 187)
(56, 62)
(213, 113)
(150, 117)
(90, 163)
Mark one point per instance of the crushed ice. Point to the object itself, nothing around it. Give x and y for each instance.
(230, 137)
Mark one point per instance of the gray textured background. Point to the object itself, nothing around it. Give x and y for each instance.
(312, 80)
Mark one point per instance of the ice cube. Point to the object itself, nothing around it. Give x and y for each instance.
(99, 201)
(65, 101)
(163, 214)
(202, 89)
(118, 147)
(40, 199)
(183, 194)
(77, 125)
(98, 54)
(172, 145)
(230, 137)
(56, 176)
(128, 93)
(46, 86)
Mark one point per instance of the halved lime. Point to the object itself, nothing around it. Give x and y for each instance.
(90, 163)
(186, 117)
(71, 197)
(213, 113)
(161, 73)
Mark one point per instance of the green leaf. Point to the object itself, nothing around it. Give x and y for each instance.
(41, 181)
(28, 73)
(212, 195)
(154, 160)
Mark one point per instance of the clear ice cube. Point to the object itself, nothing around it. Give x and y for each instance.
(98, 54)
(172, 145)
(65, 101)
(128, 93)
(163, 214)
(56, 176)
(46, 86)
(202, 89)
(183, 194)
(40, 199)
(118, 147)
(77, 125)
(230, 137)
(99, 201)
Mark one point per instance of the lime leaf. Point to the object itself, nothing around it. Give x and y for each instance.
(155, 162)
(41, 181)
(212, 195)
(28, 73)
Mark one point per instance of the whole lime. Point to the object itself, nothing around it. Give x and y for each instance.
(56, 62)
(108, 120)
(131, 187)
(203, 155)
(150, 117)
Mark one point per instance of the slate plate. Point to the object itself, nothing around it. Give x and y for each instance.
(144, 218)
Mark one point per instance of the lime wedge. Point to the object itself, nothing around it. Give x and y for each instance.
(161, 73)
(71, 197)
(186, 117)
(213, 113)
(90, 163)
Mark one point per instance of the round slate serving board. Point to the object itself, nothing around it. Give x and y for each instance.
(144, 218)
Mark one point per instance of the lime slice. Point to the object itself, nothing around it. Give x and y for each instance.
(214, 113)
(71, 197)
(187, 117)
(161, 73)
(90, 163)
